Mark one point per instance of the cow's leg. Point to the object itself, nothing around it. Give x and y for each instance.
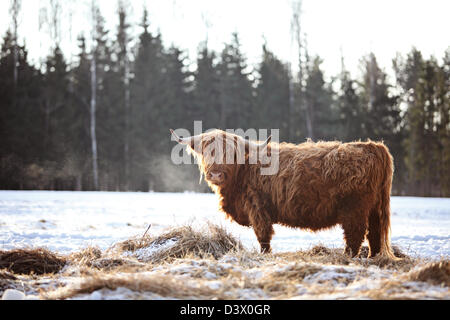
(261, 221)
(374, 234)
(264, 233)
(355, 228)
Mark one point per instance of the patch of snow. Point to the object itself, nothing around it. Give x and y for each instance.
(214, 285)
(252, 294)
(228, 259)
(146, 253)
(209, 275)
(12, 294)
(334, 274)
(69, 221)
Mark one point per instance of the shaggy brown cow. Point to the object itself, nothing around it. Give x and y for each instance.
(318, 186)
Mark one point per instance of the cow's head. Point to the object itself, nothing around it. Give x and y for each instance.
(219, 154)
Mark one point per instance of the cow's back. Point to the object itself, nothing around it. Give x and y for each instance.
(314, 179)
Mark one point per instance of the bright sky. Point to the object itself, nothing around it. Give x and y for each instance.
(354, 26)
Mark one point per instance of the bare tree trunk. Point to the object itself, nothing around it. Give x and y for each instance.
(55, 7)
(291, 106)
(15, 10)
(372, 85)
(309, 118)
(70, 31)
(127, 123)
(125, 68)
(93, 121)
(296, 32)
(93, 105)
(309, 107)
(47, 120)
(79, 182)
(223, 109)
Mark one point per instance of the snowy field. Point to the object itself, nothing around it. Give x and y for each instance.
(66, 222)
(102, 254)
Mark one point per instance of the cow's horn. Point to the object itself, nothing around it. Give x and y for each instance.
(269, 139)
(186, 141)
(261, 145)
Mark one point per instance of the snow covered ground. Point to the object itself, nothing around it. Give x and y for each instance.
(69, 221)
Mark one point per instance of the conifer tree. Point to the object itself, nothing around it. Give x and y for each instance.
(237, 96)
(76, 122)
(55, 103)
(148, 98)
(381, 110)
(443, 124)
(408, 73)
(123, 94)
(178, 109)
(21, 117)
(318, 96)
(272, 108)
(206, 103)
(351, 117)
(123, 70)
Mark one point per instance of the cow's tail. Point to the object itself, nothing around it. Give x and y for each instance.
(385, 204)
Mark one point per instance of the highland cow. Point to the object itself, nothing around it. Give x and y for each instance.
(317, 186)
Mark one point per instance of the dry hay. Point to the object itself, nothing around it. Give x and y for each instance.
(213, 242)
(318, 254)
(31, 261)
(93, 257)
(283, 283)
(437, 273)
(184, 263)
(86, 256)
(364, 253)
(433, 276)
(323, 255)
(7, 280)
(115, 263)
(296, 272)
(164, 286)
(5, 275)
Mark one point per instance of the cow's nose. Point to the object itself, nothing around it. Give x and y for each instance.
(215, 175)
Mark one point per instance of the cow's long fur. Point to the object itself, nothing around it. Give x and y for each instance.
(319, 185)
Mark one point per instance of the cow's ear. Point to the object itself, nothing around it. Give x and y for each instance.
(192, 143)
